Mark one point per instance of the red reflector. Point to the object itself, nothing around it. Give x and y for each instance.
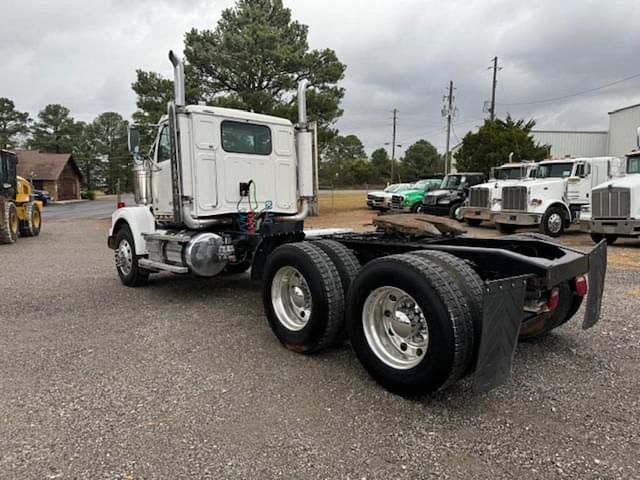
(554, 299)
(582, 287)
(120, 205)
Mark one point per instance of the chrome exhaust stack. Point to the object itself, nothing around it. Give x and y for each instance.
(178, 78)
(304, 152)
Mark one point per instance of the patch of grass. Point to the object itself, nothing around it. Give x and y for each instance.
(337, 201)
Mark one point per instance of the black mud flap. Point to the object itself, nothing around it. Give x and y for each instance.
(501, 320)
(597, 272)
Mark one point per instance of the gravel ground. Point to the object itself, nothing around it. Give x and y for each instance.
(183, 379)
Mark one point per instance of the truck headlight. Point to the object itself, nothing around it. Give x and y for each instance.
(496, 201)
(536, 201)
(444, 201)
(585, 209)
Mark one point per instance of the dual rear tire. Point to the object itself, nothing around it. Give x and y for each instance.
(413, 319)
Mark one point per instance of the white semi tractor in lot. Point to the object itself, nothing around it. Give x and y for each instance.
(485, 199)
(227, 190)
(554, 200)
(615, 205)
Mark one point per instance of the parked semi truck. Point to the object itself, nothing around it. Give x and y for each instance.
(615, 205)
(485, 200)
(553, 201)
(228, 190)
(20, 214)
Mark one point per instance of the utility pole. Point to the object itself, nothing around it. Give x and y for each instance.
(492, 107)
(393, 142)
(448, 113)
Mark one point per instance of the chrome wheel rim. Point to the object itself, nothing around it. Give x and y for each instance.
(395, 327)
(458, 214)
(554, 222)
(291, 298)
(124, 257)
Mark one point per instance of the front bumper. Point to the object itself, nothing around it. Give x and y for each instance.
(436, 209)
(477, 213)
(377, 205)
(518, 218)
(615, 227)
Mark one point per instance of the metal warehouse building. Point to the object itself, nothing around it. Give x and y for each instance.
(569, 143)
(621, 137)
(623, 130)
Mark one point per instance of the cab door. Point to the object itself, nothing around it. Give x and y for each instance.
(161, 175)
(579, 184)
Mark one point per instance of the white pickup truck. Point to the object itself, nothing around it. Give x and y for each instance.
(485, 199)
(555, 198)
(615, 205)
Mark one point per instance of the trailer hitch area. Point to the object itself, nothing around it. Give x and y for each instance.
(597, 272)
(502, 313)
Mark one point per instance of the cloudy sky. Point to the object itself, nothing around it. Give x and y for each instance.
(399, 54)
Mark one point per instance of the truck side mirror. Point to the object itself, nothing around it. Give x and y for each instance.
(133, 139)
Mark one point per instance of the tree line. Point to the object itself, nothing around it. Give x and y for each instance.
(99, 147)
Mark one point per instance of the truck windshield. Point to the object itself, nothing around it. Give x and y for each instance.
(555, 170)
(633, 164)
(396, 187)
(453, 182)
(511, 173)
(426, 184)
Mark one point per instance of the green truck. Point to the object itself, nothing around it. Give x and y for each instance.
(411, 200)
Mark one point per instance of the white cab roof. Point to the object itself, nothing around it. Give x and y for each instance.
(234, 114)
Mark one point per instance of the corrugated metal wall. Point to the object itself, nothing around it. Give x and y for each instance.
(573, 143)
(623, 126)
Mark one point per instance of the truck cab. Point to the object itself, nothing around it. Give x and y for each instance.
(615, 205)
(485, 199)
(555, 198)
(448, 199)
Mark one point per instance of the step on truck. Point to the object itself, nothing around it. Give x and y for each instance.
(554, 200)
(226, 191)
(615, 205)
(485, 200)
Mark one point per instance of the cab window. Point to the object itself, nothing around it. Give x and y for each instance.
(238, 137)
(164, 145)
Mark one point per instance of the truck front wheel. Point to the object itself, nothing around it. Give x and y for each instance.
(410, 324)
(506, 228)
(598, 237)
(126, 259)
(553, 222)
(303, 297)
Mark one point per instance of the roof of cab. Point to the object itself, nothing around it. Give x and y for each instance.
(234, 114)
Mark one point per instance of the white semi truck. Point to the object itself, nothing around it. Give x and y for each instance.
(615, 205)
(228, 190)
(485, 199)
(555, 198)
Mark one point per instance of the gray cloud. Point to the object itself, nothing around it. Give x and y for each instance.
(399, 54)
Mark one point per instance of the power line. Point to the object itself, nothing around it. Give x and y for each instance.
(576, 94)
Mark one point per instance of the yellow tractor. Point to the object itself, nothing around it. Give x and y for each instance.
(19, 213)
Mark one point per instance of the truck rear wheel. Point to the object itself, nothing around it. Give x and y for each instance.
(9, 226)
(409, 324)
(553, 222)
(30, 226)
(344, 260)
(303, 297)
(469, 283)
(126, 259)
